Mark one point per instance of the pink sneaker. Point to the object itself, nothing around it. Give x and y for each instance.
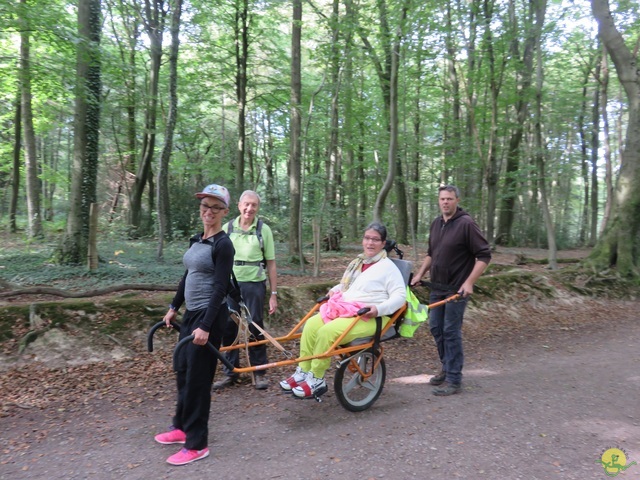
(185, 456)
(172, 436)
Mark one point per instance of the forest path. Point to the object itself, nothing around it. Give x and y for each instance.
(541, 404)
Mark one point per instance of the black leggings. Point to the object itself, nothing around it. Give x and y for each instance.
(196, 368)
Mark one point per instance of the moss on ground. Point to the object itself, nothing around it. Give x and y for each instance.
(121, 317)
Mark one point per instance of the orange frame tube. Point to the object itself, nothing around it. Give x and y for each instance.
(334, 350)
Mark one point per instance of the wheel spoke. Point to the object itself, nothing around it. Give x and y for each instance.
(369, 385)
(353, 383)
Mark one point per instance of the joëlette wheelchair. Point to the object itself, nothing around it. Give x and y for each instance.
(361, 369)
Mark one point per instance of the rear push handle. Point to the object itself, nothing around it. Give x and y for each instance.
(208, 345)
(158, 325)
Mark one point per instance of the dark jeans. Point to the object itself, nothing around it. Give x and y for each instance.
(194, 376)
(445, 323)
(253, 295)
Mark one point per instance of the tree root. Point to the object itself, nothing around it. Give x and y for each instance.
(88, 293)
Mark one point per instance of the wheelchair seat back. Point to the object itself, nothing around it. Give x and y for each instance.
(405, 267)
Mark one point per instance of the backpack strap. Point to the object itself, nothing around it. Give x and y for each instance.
(234, 288)
(261, 241)
(258, 234)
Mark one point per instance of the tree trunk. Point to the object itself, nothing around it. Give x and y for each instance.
(164, 213)
(154, 21)
(620, 242)
(364, 195)
(74, 246)
(540, 147)
(272, 196)
(524, 74)
(242, 48)
(492, 169)
(223, 128)
(353, 228)
(584, 170)
(390, 92)
(453, 127)
(295, 218)
(128, 50)
(33, 182)
(94, 93)
(254, 175)
(415, 166)
(595, 145)
(606, 142)
(15, 171)
(332, 169)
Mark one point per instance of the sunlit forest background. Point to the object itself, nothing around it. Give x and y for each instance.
(336, 112)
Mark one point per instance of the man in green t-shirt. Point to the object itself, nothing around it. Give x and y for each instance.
(254, 261)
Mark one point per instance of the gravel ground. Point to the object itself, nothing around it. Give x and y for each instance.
(547, 389)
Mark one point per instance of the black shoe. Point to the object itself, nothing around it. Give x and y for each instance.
(225, 382)
(261, 382)
(438, 379)
(447, 389)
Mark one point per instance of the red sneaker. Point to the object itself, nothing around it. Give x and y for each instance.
(185, 456)
(293, 381)
(172, 436)
(312, 387)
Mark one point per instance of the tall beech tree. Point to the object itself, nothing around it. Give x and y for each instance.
(387, 65)
(33, 183)
(524, 54)
(164, 217)
(619, 245)
(15, 169)
(154, 18)
(241, 33)
(295, 159)
(86, 129)
(126, 34)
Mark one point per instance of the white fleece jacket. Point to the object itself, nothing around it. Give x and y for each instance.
(380, 285)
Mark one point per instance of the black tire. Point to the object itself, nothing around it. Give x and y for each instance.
(354, 392)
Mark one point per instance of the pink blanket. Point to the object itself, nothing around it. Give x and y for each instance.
(336, 307)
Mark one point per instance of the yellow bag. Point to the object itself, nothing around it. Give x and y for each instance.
(416, 314)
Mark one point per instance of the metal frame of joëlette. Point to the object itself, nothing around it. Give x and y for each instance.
(336, 349)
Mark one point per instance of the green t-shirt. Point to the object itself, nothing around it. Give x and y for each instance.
(247, 248)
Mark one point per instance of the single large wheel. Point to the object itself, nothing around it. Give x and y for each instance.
(357, 384)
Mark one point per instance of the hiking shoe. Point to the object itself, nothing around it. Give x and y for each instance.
(438, 379)
(293, 381)
(185, 456)
(261, 382)
(312, 387)
(447, 389)
(227, 381)
(172, 436)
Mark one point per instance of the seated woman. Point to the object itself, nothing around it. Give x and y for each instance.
(371, 280)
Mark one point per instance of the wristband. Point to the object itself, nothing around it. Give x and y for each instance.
(171, 307)
(274, 292)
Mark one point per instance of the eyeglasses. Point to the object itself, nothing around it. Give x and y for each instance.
(213, 208)
(371, 239)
